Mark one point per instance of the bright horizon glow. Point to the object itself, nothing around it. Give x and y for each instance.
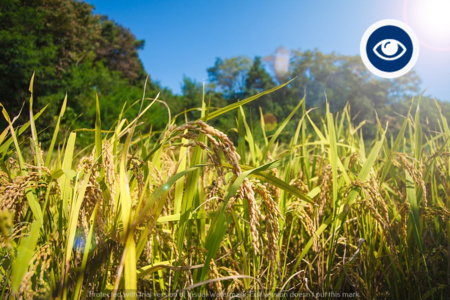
(431, 22)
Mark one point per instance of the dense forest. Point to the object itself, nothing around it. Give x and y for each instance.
(73, 51)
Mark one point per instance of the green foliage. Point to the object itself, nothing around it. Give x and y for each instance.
(75, 52)
(117, 202)
(342, 80)
(118, 50)
(258, 80)
(144, 212)
(229, 75)
(71, 50)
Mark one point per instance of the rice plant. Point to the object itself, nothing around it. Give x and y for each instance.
(188, 213)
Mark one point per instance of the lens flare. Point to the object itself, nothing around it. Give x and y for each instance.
(281, 63)
(79, 244)
(431, 21)
(270, 122)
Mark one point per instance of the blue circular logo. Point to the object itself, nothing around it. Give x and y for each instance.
(389, 48)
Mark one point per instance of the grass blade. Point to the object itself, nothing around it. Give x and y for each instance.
(25, 253)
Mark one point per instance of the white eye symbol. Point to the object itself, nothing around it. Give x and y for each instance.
(389, 49)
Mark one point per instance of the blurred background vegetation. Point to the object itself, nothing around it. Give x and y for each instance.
(73, 51)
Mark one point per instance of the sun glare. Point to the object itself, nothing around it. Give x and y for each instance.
(431, 21)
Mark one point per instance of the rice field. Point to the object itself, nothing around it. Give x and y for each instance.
(188, 213)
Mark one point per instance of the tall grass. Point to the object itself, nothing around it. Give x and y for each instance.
(187, 212)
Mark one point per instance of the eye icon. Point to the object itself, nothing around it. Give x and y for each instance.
(389, 49)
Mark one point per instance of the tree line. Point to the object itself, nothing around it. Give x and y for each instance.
(73, 51)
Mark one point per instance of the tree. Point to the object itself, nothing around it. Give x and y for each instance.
(229, 75)
(69, 49)
(118, 50)
(337, 79)
(258, 79)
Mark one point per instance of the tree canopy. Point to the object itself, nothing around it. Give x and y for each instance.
(73, 51)
(70, 50)
(337, 79)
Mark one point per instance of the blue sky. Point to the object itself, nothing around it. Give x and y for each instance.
(185, 37)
